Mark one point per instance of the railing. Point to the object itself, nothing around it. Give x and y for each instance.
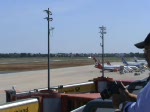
(93, 105)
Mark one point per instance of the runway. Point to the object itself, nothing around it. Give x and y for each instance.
(25, 81)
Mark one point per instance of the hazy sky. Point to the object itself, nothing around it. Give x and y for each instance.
(76, 22)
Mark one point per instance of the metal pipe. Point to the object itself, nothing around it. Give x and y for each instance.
(98, 103)
(102, 45)
(48, 56)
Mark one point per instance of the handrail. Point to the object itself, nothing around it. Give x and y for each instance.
(98, 103)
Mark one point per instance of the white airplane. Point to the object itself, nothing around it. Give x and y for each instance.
(114, 68)
(125, 69)
(106, 67)
(139, 65)
(144, 62)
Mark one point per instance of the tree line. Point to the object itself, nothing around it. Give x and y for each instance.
(23, 55)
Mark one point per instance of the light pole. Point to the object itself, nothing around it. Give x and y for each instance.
(102, 32)
(48, 20)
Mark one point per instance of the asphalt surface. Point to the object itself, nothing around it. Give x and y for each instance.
(26, 81)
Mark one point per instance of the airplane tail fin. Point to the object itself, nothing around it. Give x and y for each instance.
(97, 63)
(95, 59)
(135, 59)
(108, 63)
(124, 61)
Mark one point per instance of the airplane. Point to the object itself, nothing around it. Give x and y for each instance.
(113, 68)
(137, 60)
(144, 62)
(125, 69)
(139, 65)
(134, 65)
(106, 67)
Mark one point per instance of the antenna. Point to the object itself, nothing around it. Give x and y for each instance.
(102, 32)
(51, 29)
(48, 20)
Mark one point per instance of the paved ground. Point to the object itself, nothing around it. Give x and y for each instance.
(24, 81)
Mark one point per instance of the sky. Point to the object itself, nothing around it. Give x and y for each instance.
(23, 28)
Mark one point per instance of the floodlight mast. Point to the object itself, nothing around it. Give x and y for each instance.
(48, 20)
(102, 32)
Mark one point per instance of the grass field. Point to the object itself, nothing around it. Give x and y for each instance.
(38, 63)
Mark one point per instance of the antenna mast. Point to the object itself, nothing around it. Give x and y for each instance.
(48, 20)
(102, 32)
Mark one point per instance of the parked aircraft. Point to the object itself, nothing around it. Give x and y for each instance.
(125, 69)
(139, 65)
(144, 62)
(106, 67)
